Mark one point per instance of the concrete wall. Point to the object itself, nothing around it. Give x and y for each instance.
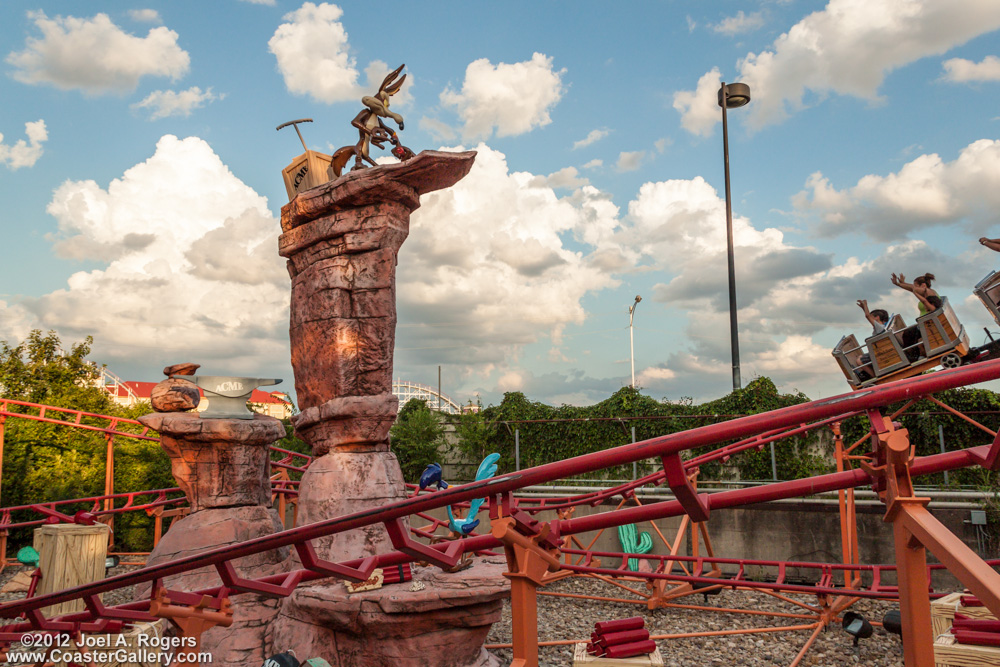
(790, 531)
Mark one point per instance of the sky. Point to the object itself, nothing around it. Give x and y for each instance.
(140, 180)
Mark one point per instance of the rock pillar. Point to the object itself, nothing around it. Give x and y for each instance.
(341, 240)
(223, 466)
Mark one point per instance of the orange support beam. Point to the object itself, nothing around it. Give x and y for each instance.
(529, 565)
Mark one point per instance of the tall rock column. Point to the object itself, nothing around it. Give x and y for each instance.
(341, 241)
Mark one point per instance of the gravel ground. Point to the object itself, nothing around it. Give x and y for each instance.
(110, 599)
(561, 618)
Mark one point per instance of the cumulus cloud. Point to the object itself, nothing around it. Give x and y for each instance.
(165, 103)
(313, 54)
(438, 130)
(699, 108)
(960, 70)
(145, 15)
(926, 192)
(509, 99)
(847, 48)
(592, 137)
(567, 177)
(95, 55)
(25, 153)
(487, 269)
(187, 265)
(740, 23)
(630, 160)
(314, 58)
(594, 164)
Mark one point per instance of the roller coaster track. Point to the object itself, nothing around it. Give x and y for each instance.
(104, 506)
(532, 534)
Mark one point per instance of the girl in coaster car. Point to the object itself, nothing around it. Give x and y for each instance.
(992, 244)
(928, 302)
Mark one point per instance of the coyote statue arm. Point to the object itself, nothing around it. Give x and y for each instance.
(371, 129)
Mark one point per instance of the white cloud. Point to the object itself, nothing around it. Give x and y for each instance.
(145, 15)
(269, 3)
(630, 160)
(188, 265)
(438, 130)
(594, 164)
(699, 108)
(314, 58)
(926, 192)
(164, 103)
(485, 289)
(313, 54)
(592, 136)
(847, 48)
(95, 55)
(960, 70)
(567, 178)
(510, 99)
(25, 153)
(734, 25)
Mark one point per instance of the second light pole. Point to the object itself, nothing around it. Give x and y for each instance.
(631, 344)
(731, 97)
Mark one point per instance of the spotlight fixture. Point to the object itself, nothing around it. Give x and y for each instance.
(893, 622)
(707, 589)
(856, 626)
(286, 659)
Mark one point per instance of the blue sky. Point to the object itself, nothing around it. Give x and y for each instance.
(140, 180)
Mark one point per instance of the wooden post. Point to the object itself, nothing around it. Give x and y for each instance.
(109, 485)
(71, 555)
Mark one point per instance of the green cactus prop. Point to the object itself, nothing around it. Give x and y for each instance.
(634, 542)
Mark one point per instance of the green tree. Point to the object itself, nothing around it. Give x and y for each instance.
(415, 438)
(46, 462)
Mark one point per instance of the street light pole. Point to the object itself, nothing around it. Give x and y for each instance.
(631, 342)
(732, 96)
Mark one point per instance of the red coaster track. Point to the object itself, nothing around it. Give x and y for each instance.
(533, 547)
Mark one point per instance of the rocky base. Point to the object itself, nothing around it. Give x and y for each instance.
(243, 642)
(444, 624)
(342, 483)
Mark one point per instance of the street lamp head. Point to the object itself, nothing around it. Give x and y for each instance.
(734, 95)
(638, 298)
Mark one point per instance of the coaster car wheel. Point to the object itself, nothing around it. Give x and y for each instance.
(951, 360)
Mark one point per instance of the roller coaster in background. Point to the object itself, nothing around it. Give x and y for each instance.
(541, 548)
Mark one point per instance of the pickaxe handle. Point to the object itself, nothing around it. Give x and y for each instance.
(295, 124)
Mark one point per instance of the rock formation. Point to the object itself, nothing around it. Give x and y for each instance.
(341, 241)
(223, 466)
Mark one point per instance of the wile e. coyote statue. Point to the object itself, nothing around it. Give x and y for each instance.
(372, 130)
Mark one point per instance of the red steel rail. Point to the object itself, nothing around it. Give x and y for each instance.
(498, 491)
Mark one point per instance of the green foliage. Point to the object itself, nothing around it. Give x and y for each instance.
(49, 462)
(607, 424)
(922, 422)
(38, 371)
(415, 438)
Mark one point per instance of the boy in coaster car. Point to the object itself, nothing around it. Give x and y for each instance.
(928, 302)
(879, 319)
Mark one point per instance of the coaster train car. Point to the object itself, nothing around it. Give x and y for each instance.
(942, 341)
